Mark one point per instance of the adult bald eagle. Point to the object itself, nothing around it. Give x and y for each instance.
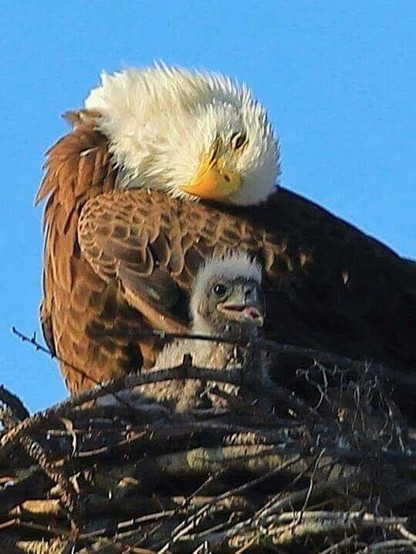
(162, 167)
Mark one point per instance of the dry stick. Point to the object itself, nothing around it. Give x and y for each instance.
(230, 434)
(247, 525)
(38, 454)
(339, 546)
(251, 524)
(203, 549)
(284, 395)
(271, 346)
(113, 386)
(196, 425)
(7, 418)
(198, 517)
(201, 488)
(170, 376)
(132, 381)
(246, 546)
(90, 537)
(299, 351)
(190, 522)
(311, 480)
(262, 344)
(205, 460)
(43, 507)
(152, 435)
(61, 409)
(299, 496)
(183, 371)
(55, 546)
(357, 517)
(406, 533)
(25, 482)
(230, 376)
(18, 432)
(46, 529)
(394, 545)
(210, 530)
(40, 348)
(15, 405)
(101, 504)
(109, 546)
(273, 504)
(41, 546)
(238, 503)
(313, 523)
(283, 429)
(129, 523)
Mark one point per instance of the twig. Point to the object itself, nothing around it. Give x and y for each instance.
(15, 405)
(40, 348)
(61, 409)
(192, 520)
(406, 533)
(267, 345)
(256, 458)
(38, 454)
(396, 546)
(341, 545)
(295, 498)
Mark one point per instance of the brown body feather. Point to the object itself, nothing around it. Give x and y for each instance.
(120, 261)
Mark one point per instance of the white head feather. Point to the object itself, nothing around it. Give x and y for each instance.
(160, 122)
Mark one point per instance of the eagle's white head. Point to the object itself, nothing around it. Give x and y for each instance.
(194, 135)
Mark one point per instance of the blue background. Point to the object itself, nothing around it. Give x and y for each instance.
(338, 79)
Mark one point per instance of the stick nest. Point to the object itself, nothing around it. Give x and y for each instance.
(324, 465)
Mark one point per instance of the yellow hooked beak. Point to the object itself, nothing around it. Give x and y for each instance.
(212, 183)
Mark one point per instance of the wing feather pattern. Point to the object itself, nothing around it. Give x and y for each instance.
(328, 285)
(86, 321)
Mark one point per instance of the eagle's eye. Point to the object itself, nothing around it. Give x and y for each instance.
(219, 290)
(238, 140)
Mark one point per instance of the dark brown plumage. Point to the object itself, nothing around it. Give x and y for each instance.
(120, 261)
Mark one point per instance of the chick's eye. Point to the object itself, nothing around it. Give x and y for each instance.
(219, 289)
(238, 140)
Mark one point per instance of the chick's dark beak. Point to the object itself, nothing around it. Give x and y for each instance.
(245, 304)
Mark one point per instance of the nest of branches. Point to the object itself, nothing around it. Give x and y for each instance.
(326, 465)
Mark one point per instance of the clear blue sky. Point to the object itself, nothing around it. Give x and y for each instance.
(337, 77)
